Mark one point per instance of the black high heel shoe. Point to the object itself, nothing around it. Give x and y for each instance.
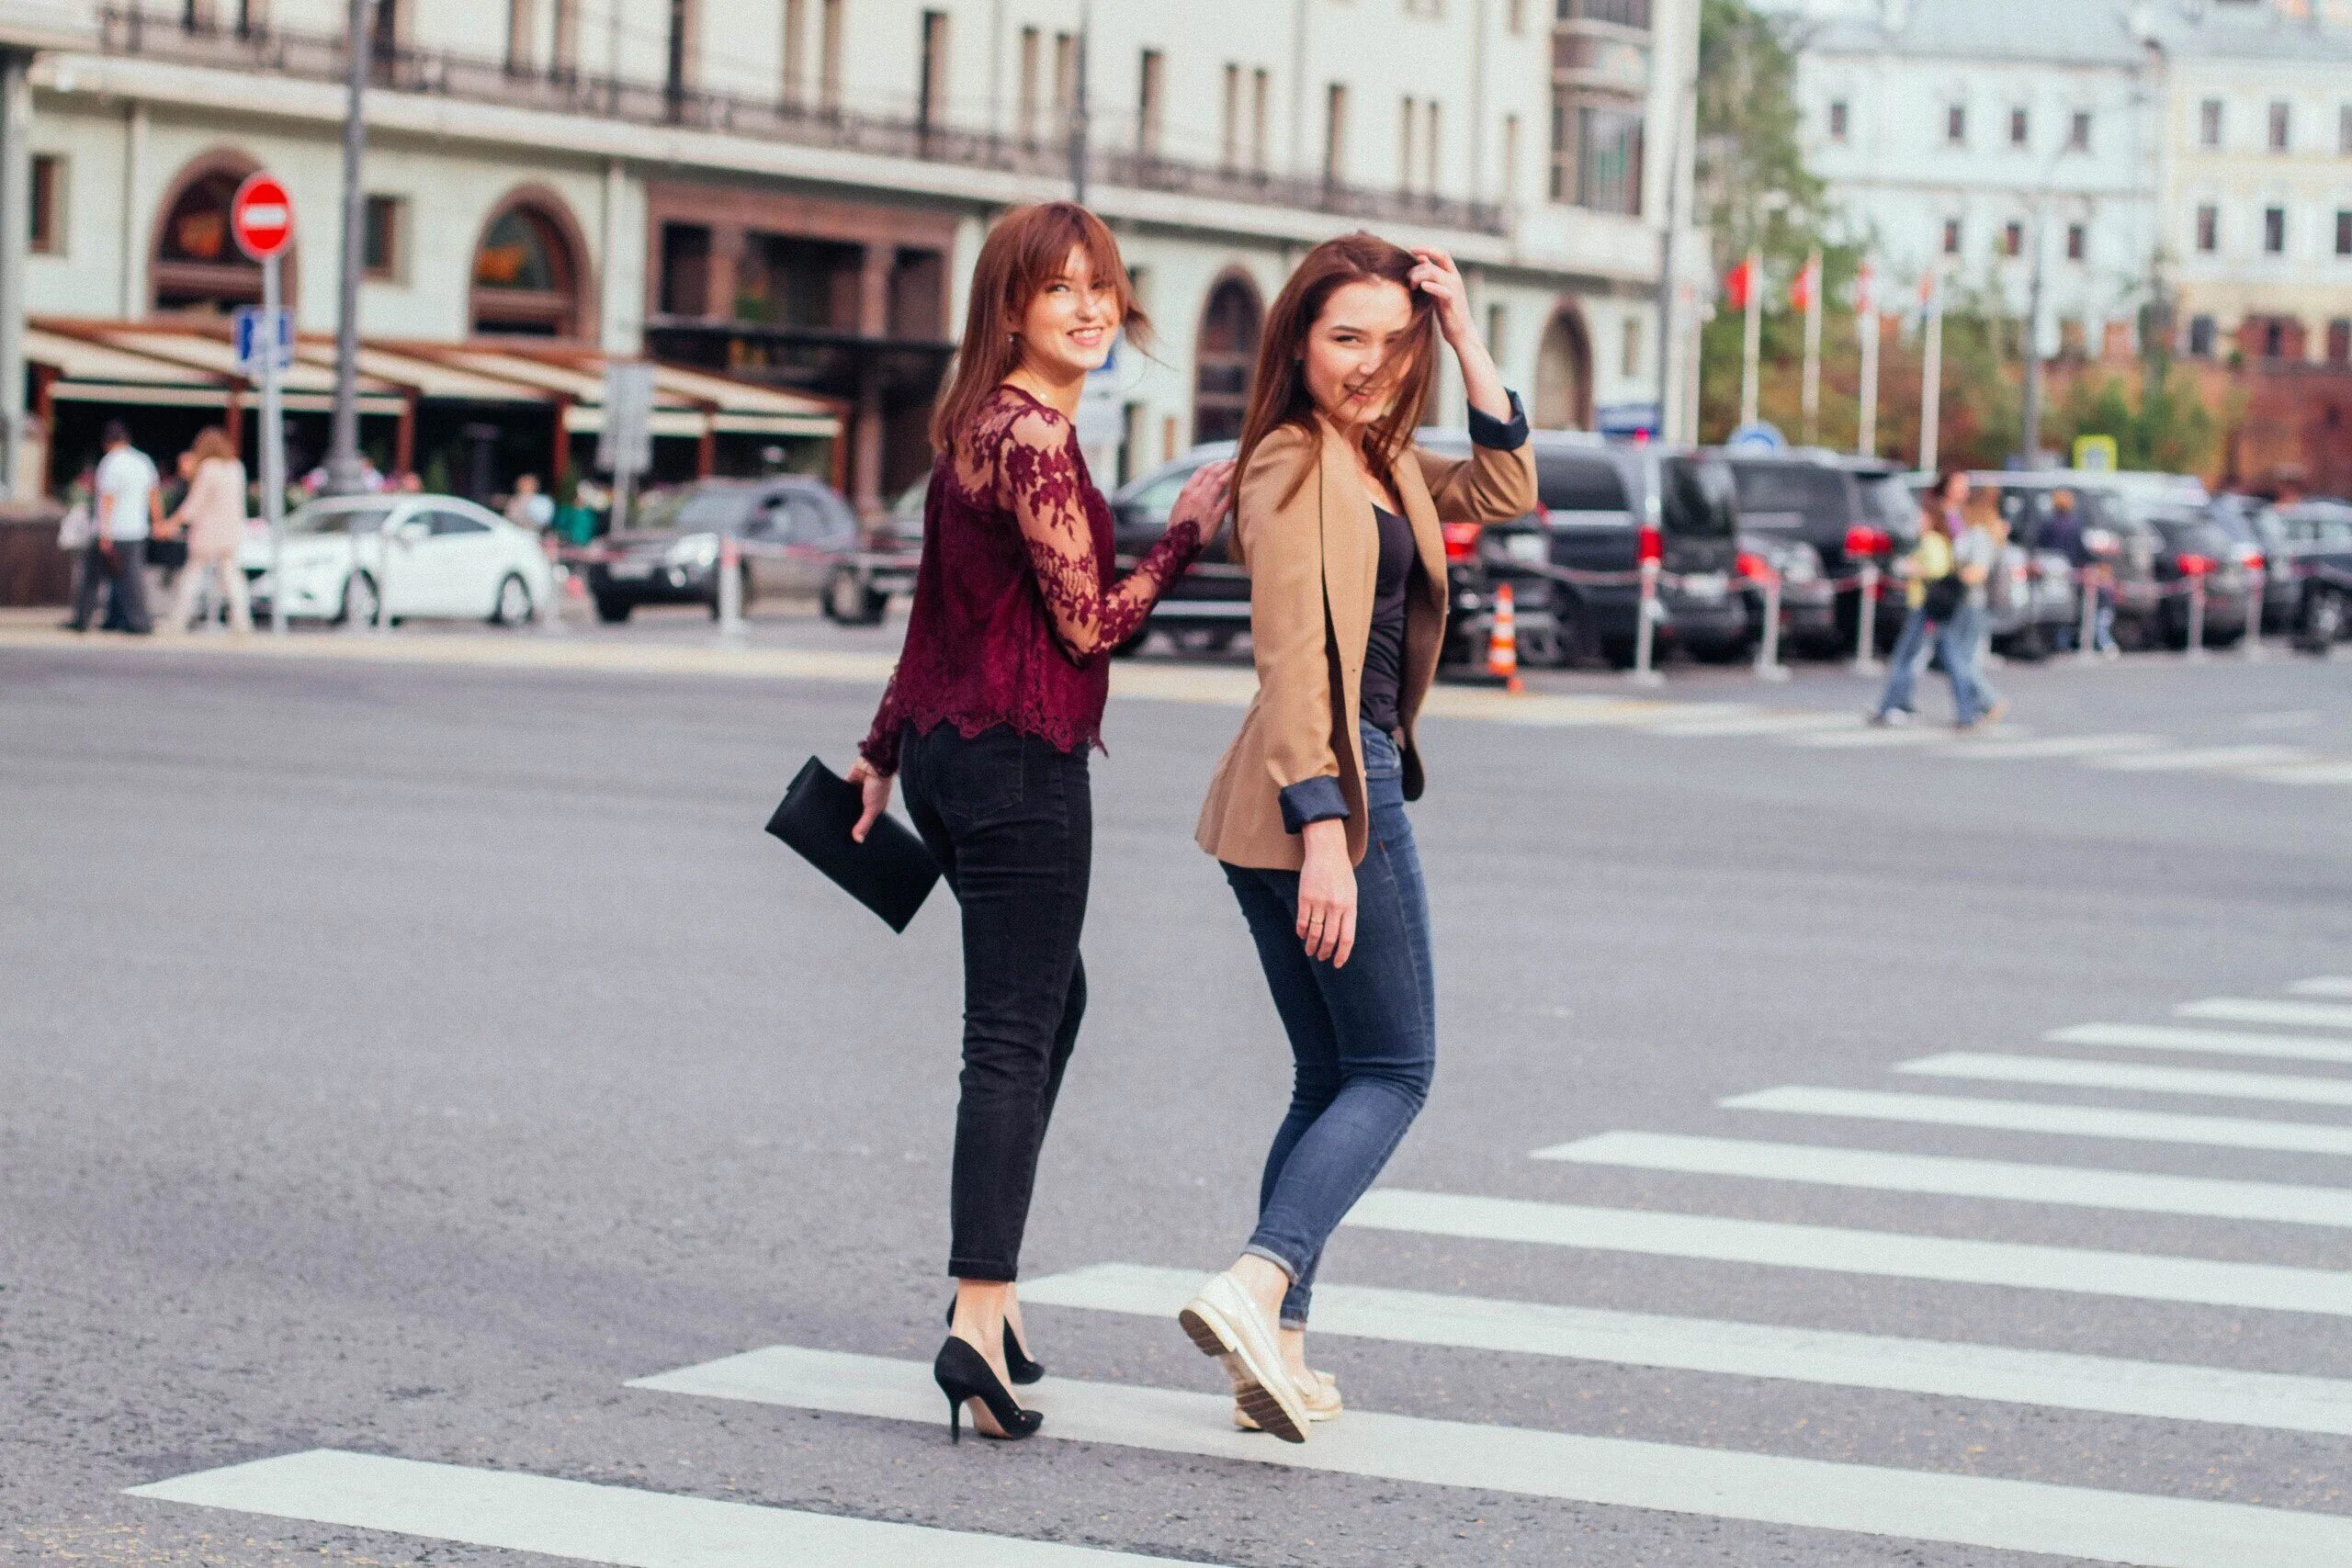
(964, 1373)
(1020, 1368)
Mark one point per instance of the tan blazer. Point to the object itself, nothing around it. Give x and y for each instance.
(1304, 531)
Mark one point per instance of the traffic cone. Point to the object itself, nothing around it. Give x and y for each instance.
(1502, 642)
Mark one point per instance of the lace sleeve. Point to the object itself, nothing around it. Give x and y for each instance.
(881, 746)
(1041, 483)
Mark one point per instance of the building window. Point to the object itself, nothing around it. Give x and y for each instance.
(1597, 153)
(1149, 102)
(2339, 342)
(197, 267)
(1956, 126)
(795, 50)
(386, 239)
(2274, 231)
(2200, 337)
(1407, 121)
(2079, 241)
(1261, 94)
(1430, 147)
(685, 269)
(1497, 318)
(1518, 17)
(2209, 123)
(1025, 106)
(527, 275)
(2274, 337)
(1952, 236)
(47, 236)
(2013, 238)
(1840, 120)
(2020, 128)
(1223, 358)
(2209, 229)
(2280, 125)
(1335, 133)
(931, 89)
(2079, 132)
(2344, 232)
(1630, 366)
(2344, 131)
(1065, 83)
(828, 56)
(1511, 157)
(1229, 139)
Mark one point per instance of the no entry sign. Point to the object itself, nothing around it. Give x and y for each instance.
(262, 217)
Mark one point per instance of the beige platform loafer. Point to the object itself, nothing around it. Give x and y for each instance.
(1321, 1398)
(1224, 1323)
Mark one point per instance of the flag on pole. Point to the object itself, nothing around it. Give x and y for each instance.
(1739, 283)
(1865, 289)
(1806, 290)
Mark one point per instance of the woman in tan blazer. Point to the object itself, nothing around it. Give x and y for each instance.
(1339, 525)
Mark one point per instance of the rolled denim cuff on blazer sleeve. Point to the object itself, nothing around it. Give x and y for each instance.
(1502, 435)
(1312, 800)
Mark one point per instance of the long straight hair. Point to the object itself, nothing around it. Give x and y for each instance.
(1278, 394)
(1026, 250)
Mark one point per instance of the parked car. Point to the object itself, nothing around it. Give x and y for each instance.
(1208, 607)
(2258, 535)
(1808, 599)
(2036, 603)
(1603, 504)
(792, 532)
(414, 556)
(2316, 542)
(859, 589)
(1841, 509)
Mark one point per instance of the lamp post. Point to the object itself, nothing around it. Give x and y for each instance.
(343, 444)
(2031, 408)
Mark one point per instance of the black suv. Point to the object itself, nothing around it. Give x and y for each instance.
(790, 532)
(1841, 508)
(2316, 539)
(1209, 605)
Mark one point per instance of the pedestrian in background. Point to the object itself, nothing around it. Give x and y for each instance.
(127, 511)
(1976, 555)
(1339, 526)
(1933, 593)
(212, 515)
(997, 699)
(527, 507)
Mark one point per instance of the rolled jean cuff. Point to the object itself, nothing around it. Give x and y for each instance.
(1260, 1249)
(973, 1269)
(1317, 799)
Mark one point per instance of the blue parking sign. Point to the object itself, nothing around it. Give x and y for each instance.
(251, 336)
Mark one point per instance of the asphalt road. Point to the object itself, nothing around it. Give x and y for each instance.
(401, 1061)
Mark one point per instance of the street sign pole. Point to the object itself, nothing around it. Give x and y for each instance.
(273, 448)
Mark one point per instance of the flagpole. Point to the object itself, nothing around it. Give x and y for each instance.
(1752, 356)
(1867, 322)
(1931, 377)
(1812, 403)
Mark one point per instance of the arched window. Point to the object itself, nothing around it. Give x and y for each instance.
(1564, 372)
(527, 275)
(197, 267)
(1223, 359)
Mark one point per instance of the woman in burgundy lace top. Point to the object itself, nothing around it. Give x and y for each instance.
(995, 702)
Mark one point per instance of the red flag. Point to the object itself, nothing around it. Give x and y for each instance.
(1808, 284)
(1738, 283)
(1865, 289)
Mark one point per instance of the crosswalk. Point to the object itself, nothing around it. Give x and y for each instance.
(1902, 1507)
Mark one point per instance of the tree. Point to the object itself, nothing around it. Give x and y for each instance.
(2161, 422)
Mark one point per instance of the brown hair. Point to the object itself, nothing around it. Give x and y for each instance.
(1025, 251)
(212, 442)
(1278, 394)
(1938, 496)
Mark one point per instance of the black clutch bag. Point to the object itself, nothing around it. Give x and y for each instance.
(890, 873)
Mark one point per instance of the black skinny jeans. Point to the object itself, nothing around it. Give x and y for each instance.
(1011, 820)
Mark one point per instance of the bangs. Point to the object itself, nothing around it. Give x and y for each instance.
(1050, 231)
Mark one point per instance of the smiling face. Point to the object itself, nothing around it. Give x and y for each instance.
(1071, 320)
(1358, 351)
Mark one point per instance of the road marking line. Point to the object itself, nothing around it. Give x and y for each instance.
(2245, 1010)
(1759, 724)
(1893, 1255)
(1856, 739)
(1979, 1511)
(588, 1522)
(1997, 1069)
(2202, 758)
(2322, 986)
(2070, 1121)
(2220, 1042)
(2056, 1380)
(1955, 1178)
(2058, 746)
(2309, 773)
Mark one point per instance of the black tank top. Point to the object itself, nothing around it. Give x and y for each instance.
(1384, 654)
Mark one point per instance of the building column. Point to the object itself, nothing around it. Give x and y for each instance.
(16, 224)
(866, 434)
(135, 268)
(724, 274)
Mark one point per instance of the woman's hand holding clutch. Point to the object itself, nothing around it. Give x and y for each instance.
(875, 787)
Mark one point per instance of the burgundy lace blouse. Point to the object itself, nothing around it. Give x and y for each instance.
(1015, 610)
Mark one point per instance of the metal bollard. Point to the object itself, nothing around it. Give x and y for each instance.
(383, 622)
(2255, 652)
(1866, 619)
(2196, 617)
(551, 613)
(2087, 635)
(1646, 630)
(730, 589)
(1767, 647)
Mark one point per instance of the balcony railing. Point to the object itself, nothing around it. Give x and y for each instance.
(168, 35)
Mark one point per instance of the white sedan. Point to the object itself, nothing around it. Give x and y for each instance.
(446, 557)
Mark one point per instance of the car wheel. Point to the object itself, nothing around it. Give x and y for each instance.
(613, 612)
(359, 604)
(2029, 646)
(849, 603)
(2326, 619)
(1577, 639)
(514, 605)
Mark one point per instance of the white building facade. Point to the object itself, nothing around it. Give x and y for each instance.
(792, 192)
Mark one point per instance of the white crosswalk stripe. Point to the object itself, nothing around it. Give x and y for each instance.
(2075, 1186)
(589, 1522)
(2306, 774)
(1883, 1254)
(2219, 1041)
(2322, 986)
(2201, 759)
(1991, 1372)
(2071, 1121)
(2054, 746)
(1994, 1069)
(2247, 1009)
(1759, 724)
(1865, 739)
(1968, 1510)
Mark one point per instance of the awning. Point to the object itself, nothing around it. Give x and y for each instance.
(103, 368)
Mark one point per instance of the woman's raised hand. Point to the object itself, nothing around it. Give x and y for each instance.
(1327, 894)
(1436, 275)
(875, 787)
(1206, 498)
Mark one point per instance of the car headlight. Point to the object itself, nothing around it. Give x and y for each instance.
(702, 549)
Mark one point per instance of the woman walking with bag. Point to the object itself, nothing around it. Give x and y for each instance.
(1936, 595)
(213, 515)
(1338, 523)
(998, 696)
